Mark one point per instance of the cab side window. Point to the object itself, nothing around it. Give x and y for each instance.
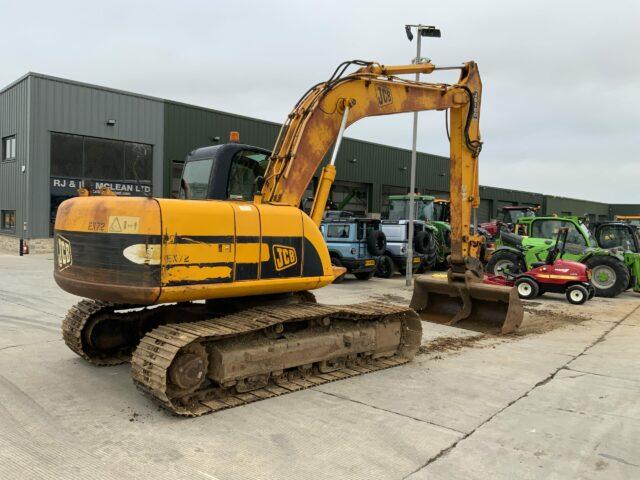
(549, 229)
(338, 231)
(611, 236)
(246, 166)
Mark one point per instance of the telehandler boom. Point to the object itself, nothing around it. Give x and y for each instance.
(252, 258)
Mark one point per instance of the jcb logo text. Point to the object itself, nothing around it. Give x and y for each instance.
(284, 257)
(64, 258)
(384, 95)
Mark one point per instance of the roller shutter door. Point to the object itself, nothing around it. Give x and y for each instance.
(485, 210)
(351, 197)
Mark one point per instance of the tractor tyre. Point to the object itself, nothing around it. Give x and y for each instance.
(527, 288)
(376, 242)
(335, 261)
(609, 276)
(431, 252)
(385, 267)
(501, 260)
(577, 294)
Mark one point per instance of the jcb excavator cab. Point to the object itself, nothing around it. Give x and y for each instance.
(223, 172)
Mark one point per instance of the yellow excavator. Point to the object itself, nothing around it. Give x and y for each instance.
(208, 295)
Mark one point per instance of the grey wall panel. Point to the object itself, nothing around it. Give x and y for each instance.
(559, 205)
(63, 106)
(14, 120)
(503, 196)
(376, 164)
(625, 209)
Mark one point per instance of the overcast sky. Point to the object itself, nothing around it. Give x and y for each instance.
(561, 79)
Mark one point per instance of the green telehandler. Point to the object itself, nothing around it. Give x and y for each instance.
(612, 252)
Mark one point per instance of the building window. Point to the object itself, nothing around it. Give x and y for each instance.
(92, 163)
(9, 148)
(8, 220)
(78, 157)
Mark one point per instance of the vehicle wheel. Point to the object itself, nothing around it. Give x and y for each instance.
(577, 294)
(335, 261)
(592, 292)
(364, 275)
(527, 288)
(376, 242)
(609, 276)
(503, 261)
(384, 269)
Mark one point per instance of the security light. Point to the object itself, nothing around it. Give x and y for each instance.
(423, 30)
(111, 122)
(430, 32)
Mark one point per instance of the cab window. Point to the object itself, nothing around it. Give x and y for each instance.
(549, 229)
(610, 236)
(338, 231)
(195, 179)
(246, 166)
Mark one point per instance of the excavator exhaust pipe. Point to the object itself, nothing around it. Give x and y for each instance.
(448, 302)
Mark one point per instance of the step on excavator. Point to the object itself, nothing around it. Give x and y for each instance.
(208, 296)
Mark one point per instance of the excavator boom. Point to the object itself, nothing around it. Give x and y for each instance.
(321, 116)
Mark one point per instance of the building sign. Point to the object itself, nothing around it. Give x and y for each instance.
(68, 187)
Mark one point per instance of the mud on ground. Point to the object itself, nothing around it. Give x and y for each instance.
(539, 318)
(445, 344)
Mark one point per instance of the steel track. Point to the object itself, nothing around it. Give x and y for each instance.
(155, 353)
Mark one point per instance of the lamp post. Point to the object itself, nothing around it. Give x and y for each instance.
(421, 31)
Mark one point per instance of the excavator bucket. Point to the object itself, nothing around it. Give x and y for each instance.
(440, 301)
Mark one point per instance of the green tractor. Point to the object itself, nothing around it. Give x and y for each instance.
(614, 268)
(433, 211)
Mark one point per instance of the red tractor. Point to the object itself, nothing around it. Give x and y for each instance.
(553, 275)
(510, 215)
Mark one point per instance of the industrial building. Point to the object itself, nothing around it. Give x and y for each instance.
(59, 135)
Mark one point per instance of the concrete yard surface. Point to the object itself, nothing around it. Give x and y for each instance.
(560, 399)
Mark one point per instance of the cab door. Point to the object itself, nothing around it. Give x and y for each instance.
(246, 166)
